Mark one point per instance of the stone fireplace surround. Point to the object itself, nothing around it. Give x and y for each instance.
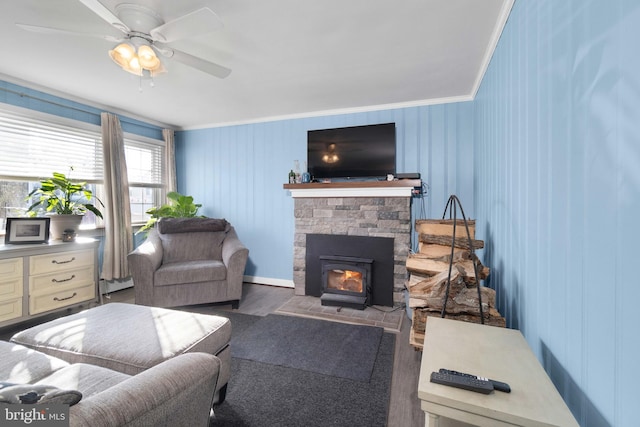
(375, 209)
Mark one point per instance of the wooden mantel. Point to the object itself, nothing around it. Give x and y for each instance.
(398, 188)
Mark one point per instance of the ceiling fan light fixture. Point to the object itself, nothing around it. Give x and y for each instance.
(148, 59)
(134, 66)
(158, 70)
(142, 26)
(145, 51)
(136, 61)
(122, 54)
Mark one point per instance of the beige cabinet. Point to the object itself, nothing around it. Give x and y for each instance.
(11, 288)
(39, 279)
(60, 279)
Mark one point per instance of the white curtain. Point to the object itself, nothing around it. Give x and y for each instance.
(118, 240)
(170, 160)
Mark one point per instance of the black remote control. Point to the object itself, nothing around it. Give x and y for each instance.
(467, 383)
(498, 385)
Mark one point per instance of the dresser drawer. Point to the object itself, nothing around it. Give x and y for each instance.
(10, 309)
(10, 268)
(10, 288)
(50, 263)
(63, 298)
(52, 282)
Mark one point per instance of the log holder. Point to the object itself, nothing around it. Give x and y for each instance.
(452, 206)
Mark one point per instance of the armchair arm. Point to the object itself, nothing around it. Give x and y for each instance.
(234, 257)
(178, 391)
(143, 262)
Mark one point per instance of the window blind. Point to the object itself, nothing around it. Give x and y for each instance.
(32, 148)
(144, 162)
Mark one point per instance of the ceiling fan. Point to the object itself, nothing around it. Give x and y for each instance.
(145, 33)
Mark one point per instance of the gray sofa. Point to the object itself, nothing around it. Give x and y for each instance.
(131, 338)
(176, 392)
(186, 261)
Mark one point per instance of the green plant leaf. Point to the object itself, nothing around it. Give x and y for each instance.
(60, 195)
(179, 206)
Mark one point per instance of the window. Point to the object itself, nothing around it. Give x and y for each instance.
(49, 146)
(144, 167)
(12, 199)
(14, 203)
(52, 143)
(141, 200)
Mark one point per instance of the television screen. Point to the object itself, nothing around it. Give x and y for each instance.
(352, 152)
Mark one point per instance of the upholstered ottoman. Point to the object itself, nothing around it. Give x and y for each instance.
(131, 338)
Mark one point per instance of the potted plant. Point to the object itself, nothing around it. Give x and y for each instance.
(179, 206)
(65, 200)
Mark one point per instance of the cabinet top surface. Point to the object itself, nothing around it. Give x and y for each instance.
(492, 352)
(8, 251)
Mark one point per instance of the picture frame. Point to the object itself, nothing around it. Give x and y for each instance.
(27, 230)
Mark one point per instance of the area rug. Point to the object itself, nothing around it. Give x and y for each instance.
(328, 348)
(262, 394)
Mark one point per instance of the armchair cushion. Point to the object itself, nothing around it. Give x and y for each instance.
(193, 246)
(189, 272)
(186, 225)
(192, 239)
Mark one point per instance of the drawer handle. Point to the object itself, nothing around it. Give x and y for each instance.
(73, 276)
(63, 262)
(64, 299)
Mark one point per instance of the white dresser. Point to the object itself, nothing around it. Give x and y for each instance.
(38, 279)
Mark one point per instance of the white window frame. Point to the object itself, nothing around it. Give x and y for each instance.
(83, 127)
(159, 184)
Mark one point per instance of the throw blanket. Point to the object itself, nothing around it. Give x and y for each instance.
(188, 225)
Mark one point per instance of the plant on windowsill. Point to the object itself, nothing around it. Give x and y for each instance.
(179, 206)
(65, 201)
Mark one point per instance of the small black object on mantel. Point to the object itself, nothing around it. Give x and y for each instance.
(414, 175)
(68, 235)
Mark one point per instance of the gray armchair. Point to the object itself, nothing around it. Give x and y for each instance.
(187, 261)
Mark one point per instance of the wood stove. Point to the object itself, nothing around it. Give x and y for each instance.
(346, 281)
(336, 249)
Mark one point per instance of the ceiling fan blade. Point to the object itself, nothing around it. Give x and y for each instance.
(192, 24)
(49, 30)
(104, 13)
(194, 62)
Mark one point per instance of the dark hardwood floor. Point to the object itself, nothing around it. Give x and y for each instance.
(260, 300)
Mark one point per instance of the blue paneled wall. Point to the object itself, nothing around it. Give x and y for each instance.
(237, 172)
(557, 193)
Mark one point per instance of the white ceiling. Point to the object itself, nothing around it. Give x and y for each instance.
(289, 58)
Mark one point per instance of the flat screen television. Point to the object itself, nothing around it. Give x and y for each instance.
(357, 152)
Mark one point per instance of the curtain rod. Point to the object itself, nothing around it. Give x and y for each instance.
(69, 107)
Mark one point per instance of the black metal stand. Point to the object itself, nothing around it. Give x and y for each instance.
(452, 205)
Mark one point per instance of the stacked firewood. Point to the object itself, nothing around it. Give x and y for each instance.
(429, 272)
